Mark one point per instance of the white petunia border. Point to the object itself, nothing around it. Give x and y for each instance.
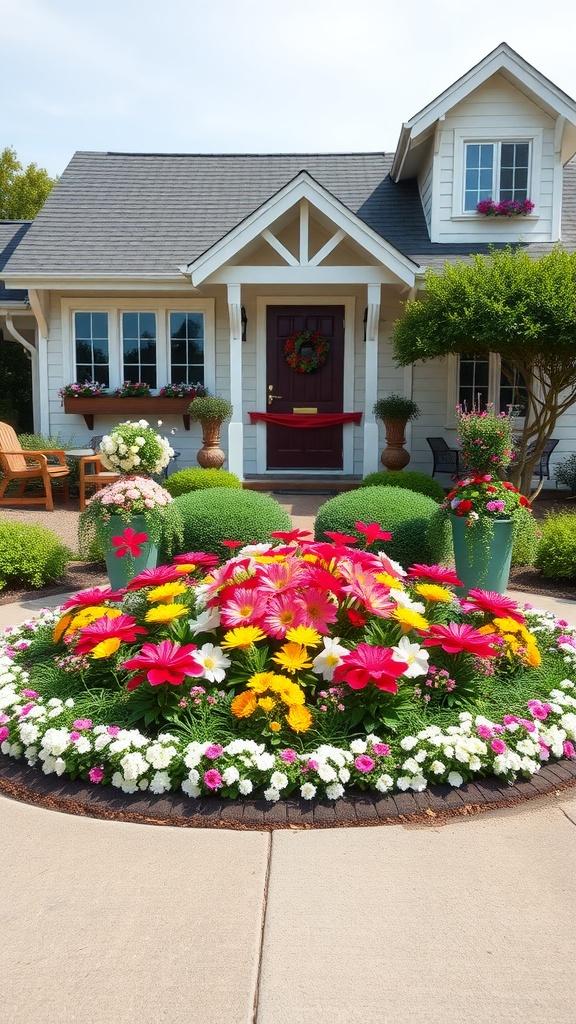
(34, 730)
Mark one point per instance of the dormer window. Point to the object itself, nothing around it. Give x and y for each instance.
(495, 170)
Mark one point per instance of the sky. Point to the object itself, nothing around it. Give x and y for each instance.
(249, 76)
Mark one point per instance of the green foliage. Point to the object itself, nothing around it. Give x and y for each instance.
(396, 407)
(421, 483)
(23, 191)
(566, 472)
(420, 532)
(525, 537)
(31, 555)
(196, 479)
(210, 408)
(556, 557)
(16, 377)
(487, 440)
(225, 513)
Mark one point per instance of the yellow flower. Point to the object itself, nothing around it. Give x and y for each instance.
(389, 581)
(275, 726)
(269, 559)
(88, 615)
(261, 681)
(106, 647)
(299, 718)
(267, 703)
(167, 592)
(432, 592)
(60, 627)
(507, 625)
(243, 705)
(409, 619)
(292, 657)
(184, 568)
(304, 635)
(292, 694)
(166, 612)
(242, 636)
(533, 656)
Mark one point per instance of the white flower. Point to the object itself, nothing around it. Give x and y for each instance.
(328, 659)
(213, 661)
(133, 765)
(358, 746)
(160, 756)
(411, 765)
(230, 775)
(335, 791)
(437, 767)
(384, 783)
(455, 779)
(408, 743)
(245, 787)
(264, 762)
(418, 783)
(344, 775)
(205, 622)
(403, 782)
(415, 655)
(279, 780)
(327, 773)
(307, 791)
(83, 745)
(193, 777)
(271, 794)
(160, 782)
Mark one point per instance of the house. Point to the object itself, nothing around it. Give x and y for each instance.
(177, 267)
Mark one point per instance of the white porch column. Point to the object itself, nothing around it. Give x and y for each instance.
(37, 304)
(370, 464)
(235, 428)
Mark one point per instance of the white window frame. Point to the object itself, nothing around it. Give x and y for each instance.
(162, 309)
(494, 373)
(159, 360)
(495, 137)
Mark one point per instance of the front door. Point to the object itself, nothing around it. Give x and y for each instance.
(288, 391)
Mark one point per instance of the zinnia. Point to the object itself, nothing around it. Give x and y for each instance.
(369, 664)
(166, 662)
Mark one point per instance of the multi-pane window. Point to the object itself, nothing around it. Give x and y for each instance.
(513, 396)
(474, 379)
(139, 347)
(497, 171)
(91, 347)
(186, 348)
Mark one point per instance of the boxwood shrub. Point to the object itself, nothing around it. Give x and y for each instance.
(196, 479)
(556, 556)
(30, 555)
(421, 483)
(525, 538)
(420, 531)
(224, 513)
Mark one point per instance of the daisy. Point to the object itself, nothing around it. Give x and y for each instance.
(242, 607)
(455, 638)
(262, 681)
(434, 573)
(242, 636)
(409, 619)
(292, 657)
(213, 661)
(154, 577)
(492, 603)
(328, 659)
(166, 662)
(319, 610)
(415, 655)
(166, 613)
(433, 592)
(93, 597)
(299, 718)
(167, 592)
(244, 705)
(304, 635)
(369, 664)
(123, 626)
(283, 612)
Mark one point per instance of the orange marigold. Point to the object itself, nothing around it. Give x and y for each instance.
(299, 718)
(244, 705)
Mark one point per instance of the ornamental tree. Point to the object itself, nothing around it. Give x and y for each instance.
(507, 303)
(23, 191)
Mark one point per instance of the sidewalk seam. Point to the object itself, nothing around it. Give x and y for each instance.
(567, 816)
(255, 1008)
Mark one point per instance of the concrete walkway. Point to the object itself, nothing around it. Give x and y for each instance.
(112, 923)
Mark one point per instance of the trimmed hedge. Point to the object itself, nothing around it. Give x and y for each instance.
(525, 538)
(187, 480)
(420, 531)
(410, 479)
(556, 557)
(225, 513)
(30, 555)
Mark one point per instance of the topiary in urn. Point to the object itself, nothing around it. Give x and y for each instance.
(210, 411)
(395, 411)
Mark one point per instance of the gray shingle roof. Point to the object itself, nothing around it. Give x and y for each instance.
(11, 234)
(130, 213)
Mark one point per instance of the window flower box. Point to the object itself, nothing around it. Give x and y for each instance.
(506, 208)
(110, 405)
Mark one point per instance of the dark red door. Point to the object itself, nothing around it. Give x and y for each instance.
(288, 391)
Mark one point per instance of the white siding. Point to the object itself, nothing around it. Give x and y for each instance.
(493, 111)
(425, 188)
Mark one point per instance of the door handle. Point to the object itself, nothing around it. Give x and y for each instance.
(271, 397)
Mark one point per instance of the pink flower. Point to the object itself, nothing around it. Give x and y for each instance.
(369, 664)
(498, 746)
(435, 573)
(213, 779)
(312, 765)
(4, 718)
(455, 638)
(30, 693)
(213, 751)
(113, 730)
(288, 756)
(372, 532)
(569, 750)
(4, 734)
(492, 603)
(364, 763)
(75, 736)
(381, 749)
(26, 710)
(92, 597)
(155, 577)
(166, 662)
(129, 542)
(82, 723)
(484, 732)
(96, 774)
(539, 710)
(123, 628)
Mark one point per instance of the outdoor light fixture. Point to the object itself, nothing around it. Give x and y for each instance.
(365, 321)
(244, 320)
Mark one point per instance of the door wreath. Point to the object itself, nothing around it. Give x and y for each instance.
(306, 351)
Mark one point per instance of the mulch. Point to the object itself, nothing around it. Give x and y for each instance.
(78, 576)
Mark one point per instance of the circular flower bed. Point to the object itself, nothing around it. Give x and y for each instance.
(306, 351)
(301, 668)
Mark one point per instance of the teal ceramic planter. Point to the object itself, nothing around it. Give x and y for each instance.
(482, 553)
(122, 570)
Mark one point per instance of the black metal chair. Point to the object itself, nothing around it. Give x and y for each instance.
(446, 459)
(542, 467)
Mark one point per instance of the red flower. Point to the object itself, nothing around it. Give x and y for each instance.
(129, 543)
(155, 577)
(372, 532)
(492, 603)
(369, 664)
(464, 506)
(291, 535)
(356, 618)
(509, 486)
(91, 597)
(436, 573)
(455, 638)
(233, 544)
(524, 502)
(123, 627)
(340, 538)
(166, 662)
(196, 558)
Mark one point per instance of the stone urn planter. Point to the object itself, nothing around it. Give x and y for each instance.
(210, 411)
(395, 412)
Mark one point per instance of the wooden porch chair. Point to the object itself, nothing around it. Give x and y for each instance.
(21, 465)
(91, 473)
(446, 459)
